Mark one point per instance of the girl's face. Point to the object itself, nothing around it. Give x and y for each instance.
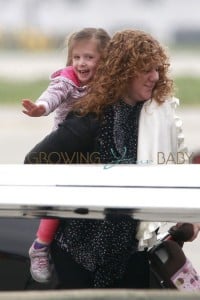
(141, 87)
(85, 56)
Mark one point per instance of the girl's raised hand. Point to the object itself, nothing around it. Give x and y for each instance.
(31, 109)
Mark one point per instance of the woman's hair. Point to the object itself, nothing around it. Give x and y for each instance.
(128, 53)
(101, 36)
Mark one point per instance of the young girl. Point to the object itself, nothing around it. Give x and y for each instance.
(67, 85)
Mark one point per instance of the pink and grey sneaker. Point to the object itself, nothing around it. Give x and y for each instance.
(41, 269)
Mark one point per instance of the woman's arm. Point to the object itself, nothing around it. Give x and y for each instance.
(73, 139)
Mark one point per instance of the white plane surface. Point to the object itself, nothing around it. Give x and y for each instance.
(159, 193)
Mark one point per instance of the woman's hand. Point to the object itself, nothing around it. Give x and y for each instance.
(186, 232)
(196, 228)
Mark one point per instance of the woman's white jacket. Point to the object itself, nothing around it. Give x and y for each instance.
(160, 136)
(160, 141)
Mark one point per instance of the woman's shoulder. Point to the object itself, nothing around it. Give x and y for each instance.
(169, 104)
(88, 122)
(173, 102)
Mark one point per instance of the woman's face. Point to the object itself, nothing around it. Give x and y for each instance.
(141, 87)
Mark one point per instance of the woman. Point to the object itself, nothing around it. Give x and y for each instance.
(128, 116)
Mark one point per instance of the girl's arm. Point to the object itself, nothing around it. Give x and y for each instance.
(59, 90)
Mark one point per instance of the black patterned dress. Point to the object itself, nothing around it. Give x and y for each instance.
(105, 246)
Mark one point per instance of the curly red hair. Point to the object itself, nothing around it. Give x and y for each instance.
(128, 53)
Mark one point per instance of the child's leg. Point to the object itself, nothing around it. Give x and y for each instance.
(39, 252)
(47, 230)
